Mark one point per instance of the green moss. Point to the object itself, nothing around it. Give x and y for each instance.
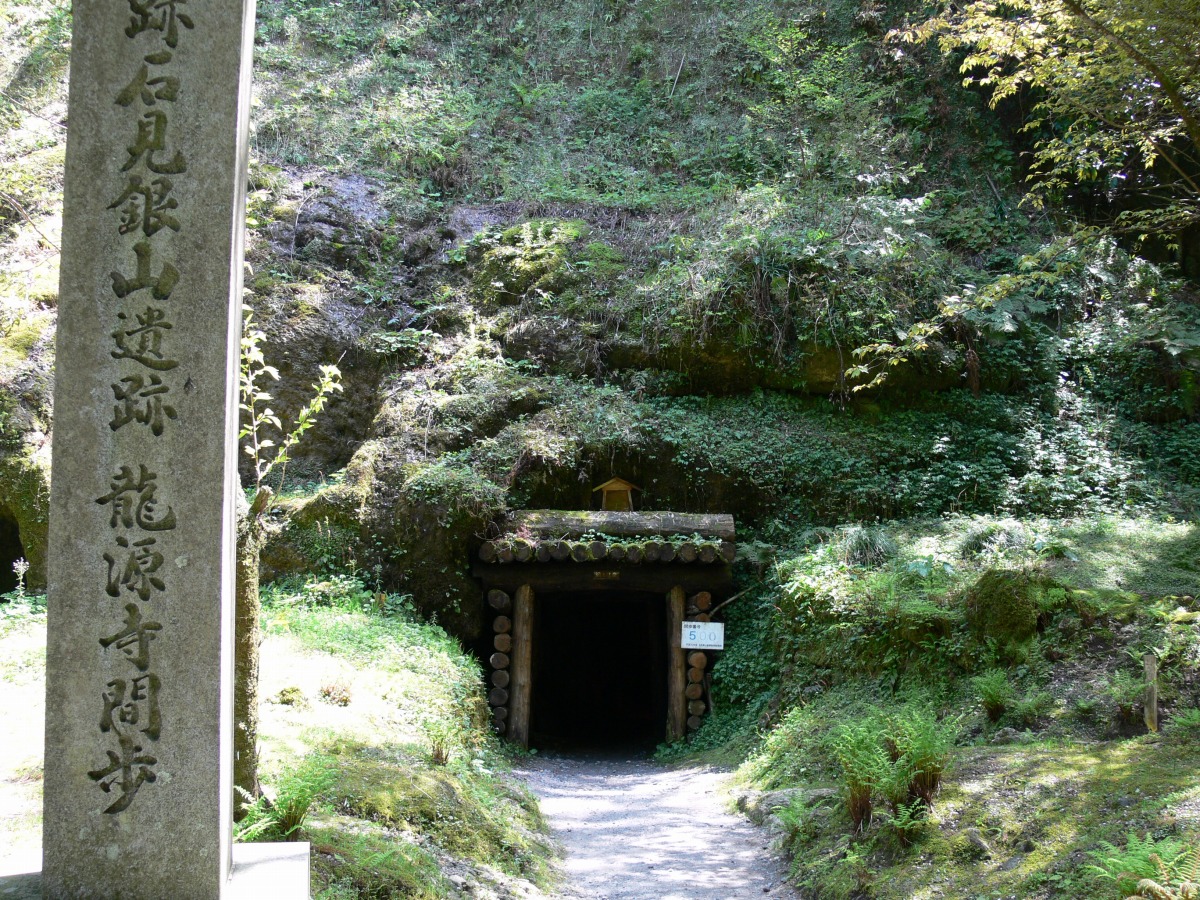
(25, 494)
(602, 262)
(1002, 606)
(466, 813)
(528, 260)
(318, 535)
(353, 860)
(19, 337)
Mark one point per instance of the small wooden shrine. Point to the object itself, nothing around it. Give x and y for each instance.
(616, 494)
(684, 559)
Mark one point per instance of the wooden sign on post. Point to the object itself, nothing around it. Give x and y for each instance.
(1150, 661)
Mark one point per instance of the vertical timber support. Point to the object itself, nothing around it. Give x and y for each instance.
(522, 665)
(676, 667)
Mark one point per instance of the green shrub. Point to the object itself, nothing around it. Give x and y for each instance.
(995, 692)
(1001, 606)
(1031, 709)
(444, 735)
(296, 790)
(861, 546)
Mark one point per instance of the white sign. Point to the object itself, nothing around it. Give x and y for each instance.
(703, 636)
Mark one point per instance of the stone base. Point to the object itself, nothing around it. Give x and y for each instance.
(260, 871)
(26, 886)
(278, 871)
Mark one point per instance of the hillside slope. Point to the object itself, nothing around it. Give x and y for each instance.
(548, 243)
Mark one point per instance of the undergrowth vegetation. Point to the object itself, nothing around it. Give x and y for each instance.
(393, 777)
(898, 697)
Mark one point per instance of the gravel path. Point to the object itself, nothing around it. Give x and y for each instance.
(634, 830)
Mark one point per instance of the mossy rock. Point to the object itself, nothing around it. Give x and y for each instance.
(533, 258)
(603, 263)
(417, 522)
(464, 813)
(1002, 605)
(315, 535)
(25, 500)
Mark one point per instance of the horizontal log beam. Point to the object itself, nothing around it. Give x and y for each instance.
(505, 550)
(555, 523)
(606, 576)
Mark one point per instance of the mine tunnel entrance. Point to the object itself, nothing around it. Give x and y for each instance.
(598, 622)
(10, 550)
(599, 665)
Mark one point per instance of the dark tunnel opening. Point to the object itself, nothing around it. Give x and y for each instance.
(10, 550)
(599, 672)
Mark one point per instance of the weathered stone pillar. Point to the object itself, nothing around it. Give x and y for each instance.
(139, 660)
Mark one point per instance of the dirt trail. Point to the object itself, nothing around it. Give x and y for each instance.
(634, 830)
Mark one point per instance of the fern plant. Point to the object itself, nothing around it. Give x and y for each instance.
(1165, 869)
(1178, 879)
(858, 750)
(995, 692)
(295, 792)
(922, 748)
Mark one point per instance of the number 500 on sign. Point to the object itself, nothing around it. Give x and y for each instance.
(703, 636)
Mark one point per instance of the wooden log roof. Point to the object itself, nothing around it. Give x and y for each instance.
(619, 537)
(573, 524)
(605, 550)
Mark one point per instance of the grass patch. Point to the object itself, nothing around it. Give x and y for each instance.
(404, 776)
(353, 860)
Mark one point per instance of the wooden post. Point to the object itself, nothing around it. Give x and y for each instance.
(522, 666)
(676, 667)
(1151, 703)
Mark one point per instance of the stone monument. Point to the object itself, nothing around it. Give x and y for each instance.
(138, 796)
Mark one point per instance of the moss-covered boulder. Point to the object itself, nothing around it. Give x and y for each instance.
(1003, 606)
(26, 365)
(405, 524)
(25, 503)
(319, 534)
(529, 259)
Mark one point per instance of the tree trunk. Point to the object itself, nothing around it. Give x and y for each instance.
(247, 638)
